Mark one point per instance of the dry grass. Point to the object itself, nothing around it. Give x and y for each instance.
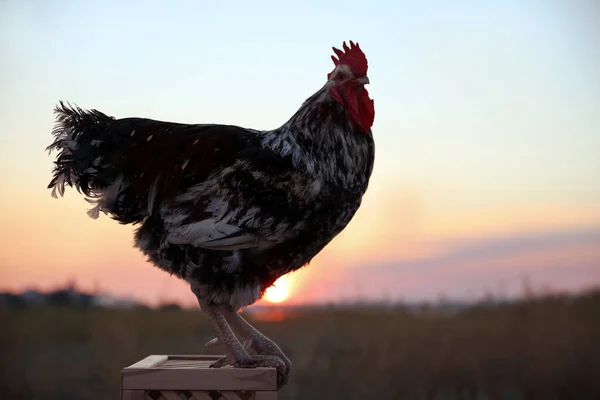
(535, 349)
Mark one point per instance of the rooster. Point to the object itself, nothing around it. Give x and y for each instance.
(226, 208)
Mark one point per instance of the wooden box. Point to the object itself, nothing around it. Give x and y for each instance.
(175, 377)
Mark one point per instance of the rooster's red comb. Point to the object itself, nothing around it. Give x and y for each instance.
(353, 57)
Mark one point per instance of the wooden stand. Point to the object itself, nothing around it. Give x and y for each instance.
(176, 377)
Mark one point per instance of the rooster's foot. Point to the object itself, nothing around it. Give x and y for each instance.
(254, 341)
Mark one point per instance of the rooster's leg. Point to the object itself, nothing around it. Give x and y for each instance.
(253, 338)
(235, 353)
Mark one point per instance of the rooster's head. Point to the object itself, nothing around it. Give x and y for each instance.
(347, 82)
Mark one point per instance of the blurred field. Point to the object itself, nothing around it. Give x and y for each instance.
(535, 349)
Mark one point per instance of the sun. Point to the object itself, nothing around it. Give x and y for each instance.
(279, 291)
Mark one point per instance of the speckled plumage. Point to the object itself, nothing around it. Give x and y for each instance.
(224, 207)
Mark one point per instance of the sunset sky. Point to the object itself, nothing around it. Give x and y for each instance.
(487, 132)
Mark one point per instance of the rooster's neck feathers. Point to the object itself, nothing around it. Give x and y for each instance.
(321, 140)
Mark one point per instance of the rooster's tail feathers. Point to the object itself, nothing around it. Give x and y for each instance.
(78, 136)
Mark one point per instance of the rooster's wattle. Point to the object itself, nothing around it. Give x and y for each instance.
(226, 208)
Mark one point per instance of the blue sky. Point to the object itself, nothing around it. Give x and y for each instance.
(462, 89)
(486, 112)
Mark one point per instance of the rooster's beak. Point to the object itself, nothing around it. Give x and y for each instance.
(363, 80)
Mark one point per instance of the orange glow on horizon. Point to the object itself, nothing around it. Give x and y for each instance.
(280, 291)
(50, 242)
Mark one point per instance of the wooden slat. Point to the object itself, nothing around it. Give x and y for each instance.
(186, 364)
(149, 362)
(170, 395)
(200, 379)
(230, 395)
(200, 395)
(133, 395)
(195, 356)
